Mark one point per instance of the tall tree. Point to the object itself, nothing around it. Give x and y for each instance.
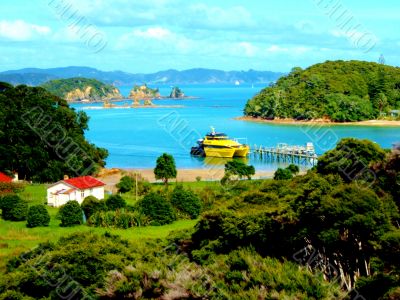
(165, 168)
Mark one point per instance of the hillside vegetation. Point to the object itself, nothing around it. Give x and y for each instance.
(335, 90)
(330, 234)
(77, 89)
(42, 138)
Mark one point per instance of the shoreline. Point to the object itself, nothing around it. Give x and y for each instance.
(322, 122)
(132, 107)
(112, 176)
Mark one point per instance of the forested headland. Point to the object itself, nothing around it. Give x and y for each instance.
(338, 91)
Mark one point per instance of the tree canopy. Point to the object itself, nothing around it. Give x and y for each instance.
(336, 90)
(42, 138)
(165, 168)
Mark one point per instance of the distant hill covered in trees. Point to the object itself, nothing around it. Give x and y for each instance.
(35, 76)
(339, 91)
(78, 89)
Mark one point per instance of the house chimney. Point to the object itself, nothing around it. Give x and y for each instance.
(66, 177)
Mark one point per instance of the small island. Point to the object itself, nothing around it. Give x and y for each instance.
(331, 92)
(176, 93)
(82, 90)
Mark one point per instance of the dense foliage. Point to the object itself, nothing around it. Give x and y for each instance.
(13, 208)
(336, 90)
(351, 159)
(117, 219)
(157, 209)
(131, 182)
(115, 202)
(37, 216)
(125, 184)
(165, 168)
(239, 169)
(106, 267)
(42, 138)
(96, 90)
(344, 229)
(71, 214)
(186, 202)
(91, 205)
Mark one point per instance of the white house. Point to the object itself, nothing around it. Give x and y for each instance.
(77, 189)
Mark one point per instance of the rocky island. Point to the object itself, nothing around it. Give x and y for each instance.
(143, 92)
(176, 93)
(82, 90)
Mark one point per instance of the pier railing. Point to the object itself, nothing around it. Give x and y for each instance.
(301, 155)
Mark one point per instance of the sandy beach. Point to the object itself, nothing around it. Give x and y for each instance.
(321, 122)
(112, 176)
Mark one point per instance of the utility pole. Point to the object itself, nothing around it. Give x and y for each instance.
(136, 193)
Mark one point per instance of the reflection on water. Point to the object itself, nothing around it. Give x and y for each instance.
(219, 161)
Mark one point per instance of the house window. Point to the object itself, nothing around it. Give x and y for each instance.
(82, 194)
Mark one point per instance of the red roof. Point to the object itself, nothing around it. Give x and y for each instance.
(84, 182)
(5, 178)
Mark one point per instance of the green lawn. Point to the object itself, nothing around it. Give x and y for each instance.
(16, 238)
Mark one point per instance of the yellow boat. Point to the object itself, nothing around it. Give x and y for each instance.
(219, 145)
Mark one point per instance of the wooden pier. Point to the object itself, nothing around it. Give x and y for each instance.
(301, 155)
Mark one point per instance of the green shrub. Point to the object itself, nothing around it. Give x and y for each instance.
(125, 184)
(91, 204)
(293, 169)
(13, 208)
(260, 198)
(117, 219)
(157, 209)
(186, 201)
(38, 216)
(283, 174)
(71, 214)
(115, 202)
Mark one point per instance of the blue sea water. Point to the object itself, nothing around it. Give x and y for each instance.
(136, 137)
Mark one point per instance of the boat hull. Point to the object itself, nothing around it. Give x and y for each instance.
(219, 152)
(242, 151)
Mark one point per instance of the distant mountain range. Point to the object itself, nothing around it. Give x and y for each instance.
(34, 76)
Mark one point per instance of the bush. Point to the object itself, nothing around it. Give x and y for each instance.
(157, 209)
(125, 184)
(91, 204)
(186, 201)
(13, 208)
(20, 211)
(115, 202)
(283, 174)
(38, 216)
(117, 219)
(71, 214)
(293, 169)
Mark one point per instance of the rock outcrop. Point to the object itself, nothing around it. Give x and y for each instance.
(176, 93)
(143, 92)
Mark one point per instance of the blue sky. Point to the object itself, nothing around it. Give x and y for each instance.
(152, 35)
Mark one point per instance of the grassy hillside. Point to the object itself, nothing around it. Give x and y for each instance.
(76, 89)
(327, 234)
(336, 90)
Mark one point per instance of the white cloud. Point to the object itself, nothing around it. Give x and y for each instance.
(157, 33)
(205, 16)
(247, 49)
(155, 40)
(19, 30)
(276, 49)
